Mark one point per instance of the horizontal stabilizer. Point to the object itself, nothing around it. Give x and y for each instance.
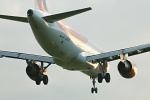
(14, 18)
(57, 17)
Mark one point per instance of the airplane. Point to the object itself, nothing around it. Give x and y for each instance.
(69, 49)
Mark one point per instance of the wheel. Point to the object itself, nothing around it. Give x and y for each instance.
(107, 77)
(96, 90)
(38, 80)
(100, 78)
(92, 90)
(45, 79)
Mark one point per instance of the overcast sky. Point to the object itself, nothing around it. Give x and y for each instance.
(112, 25)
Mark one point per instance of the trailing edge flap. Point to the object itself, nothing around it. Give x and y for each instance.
(57, 17)
(14, 18)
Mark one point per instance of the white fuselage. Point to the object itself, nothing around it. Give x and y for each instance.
(68, 48)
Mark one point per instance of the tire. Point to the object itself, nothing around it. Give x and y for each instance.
(45, 79)
(100, 78)
(107, 77)
(38, 80)
(92, 90)
(96, 90)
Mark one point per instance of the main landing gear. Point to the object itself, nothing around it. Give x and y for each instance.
(101, 76)
(104, 75)
(42, 77)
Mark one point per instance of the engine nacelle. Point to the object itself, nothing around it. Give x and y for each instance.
(33, 70)
(127, 69)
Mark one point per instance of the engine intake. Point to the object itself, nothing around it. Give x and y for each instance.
(33, 71)
(127, 69)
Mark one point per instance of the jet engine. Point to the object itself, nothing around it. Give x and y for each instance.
(33, 70)
(127, 69)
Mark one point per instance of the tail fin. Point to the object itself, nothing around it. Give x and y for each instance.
(41, 5)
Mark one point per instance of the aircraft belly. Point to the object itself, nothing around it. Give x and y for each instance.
(79, 64)
(72, 65)
(56, 43)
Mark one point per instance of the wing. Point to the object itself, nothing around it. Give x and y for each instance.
(24, 56)
(114, 55)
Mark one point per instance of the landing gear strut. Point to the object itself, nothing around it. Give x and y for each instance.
(101, 76)
(104, 75)
(94, 89)
(43, 77)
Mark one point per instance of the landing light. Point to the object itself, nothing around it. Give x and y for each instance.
(139, 51)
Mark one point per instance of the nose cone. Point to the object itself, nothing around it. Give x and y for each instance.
(30, 12)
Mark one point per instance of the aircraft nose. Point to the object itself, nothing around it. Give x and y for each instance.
(30, 12)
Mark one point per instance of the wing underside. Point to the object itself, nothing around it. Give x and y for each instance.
(24, 56)
(115, 55)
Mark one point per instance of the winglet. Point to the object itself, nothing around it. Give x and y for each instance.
(57, 17)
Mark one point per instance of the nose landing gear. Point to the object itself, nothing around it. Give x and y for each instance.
(94, 89)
